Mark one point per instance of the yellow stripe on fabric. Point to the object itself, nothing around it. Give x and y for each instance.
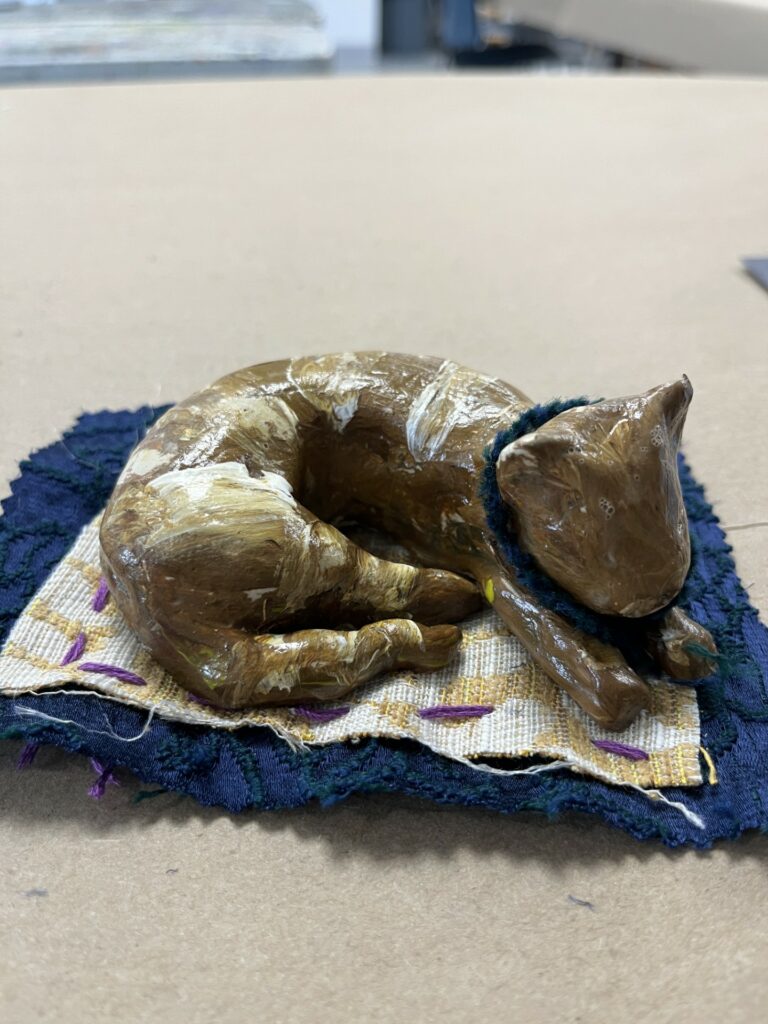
(711, 765)
(70, 628)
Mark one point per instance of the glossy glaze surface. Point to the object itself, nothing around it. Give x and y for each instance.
(227, 542)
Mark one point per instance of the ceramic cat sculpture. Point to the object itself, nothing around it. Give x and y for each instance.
(237, 540)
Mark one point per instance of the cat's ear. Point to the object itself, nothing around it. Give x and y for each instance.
(526, 460)
(670, 402)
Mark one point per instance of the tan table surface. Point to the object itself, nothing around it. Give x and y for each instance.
(567, 234)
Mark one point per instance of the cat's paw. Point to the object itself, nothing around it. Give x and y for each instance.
(440, 596)
(439, 644)
(619, 697)
(614, 695)
(681, 647)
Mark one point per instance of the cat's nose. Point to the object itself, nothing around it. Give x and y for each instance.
(655, 598)
(645, 606)
(630, 607)
(633, 595)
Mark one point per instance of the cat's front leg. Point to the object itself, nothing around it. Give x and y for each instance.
(594, 674)
(680, 646)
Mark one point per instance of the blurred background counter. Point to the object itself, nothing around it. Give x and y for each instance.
(59, 40)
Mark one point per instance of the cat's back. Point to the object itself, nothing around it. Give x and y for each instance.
(435, 408)
(413, 409)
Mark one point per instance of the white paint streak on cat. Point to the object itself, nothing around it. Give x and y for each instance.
(277, 483)
(281, 680)
(144, 461)
(447, 403)
(524, 448)
(344, 411)
(450, 517)
(197, 481)
(204, 447)
(427, 426)
(331, 384)
(194, 483)
(270, 417)
(415, 632)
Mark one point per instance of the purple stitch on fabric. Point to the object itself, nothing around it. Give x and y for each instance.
(27, 755)
(101, 596)
(112, 670)
(105, 778)
(75, 652)
(456, 711)
(199, 700)
(320, 715)
(206, 703)
(621, 749)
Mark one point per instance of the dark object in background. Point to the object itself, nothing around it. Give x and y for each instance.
(405, 26)
(458, 26)
(757, 268)
(474, 37)
(505, 56)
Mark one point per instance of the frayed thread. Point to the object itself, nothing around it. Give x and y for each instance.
(704, 652)
(28, 712)
(651, 794)
(105, 777)
(292, 741)
(27, 755)
(657, 795)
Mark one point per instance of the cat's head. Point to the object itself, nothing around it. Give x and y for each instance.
(595, 499)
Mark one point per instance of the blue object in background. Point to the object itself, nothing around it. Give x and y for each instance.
(458, 25)
(757, 268)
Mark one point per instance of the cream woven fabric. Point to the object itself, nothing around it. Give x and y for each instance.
(531, 716)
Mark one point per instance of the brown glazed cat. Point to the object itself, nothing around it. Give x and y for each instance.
(220, 548)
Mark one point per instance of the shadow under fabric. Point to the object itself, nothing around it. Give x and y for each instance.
(63, 486)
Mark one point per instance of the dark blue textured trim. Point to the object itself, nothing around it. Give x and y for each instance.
(61, 487)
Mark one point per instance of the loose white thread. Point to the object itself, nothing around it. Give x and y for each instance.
(33, 713)
(651, 794)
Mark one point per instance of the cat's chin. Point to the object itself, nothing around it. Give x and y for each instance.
(637, 608)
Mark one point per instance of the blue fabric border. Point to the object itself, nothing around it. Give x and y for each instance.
(61, 487)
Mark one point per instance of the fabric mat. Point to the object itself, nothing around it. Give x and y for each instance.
(62, 487)
(520, 711)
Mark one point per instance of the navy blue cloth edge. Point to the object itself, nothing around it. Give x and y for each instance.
(62, 486)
